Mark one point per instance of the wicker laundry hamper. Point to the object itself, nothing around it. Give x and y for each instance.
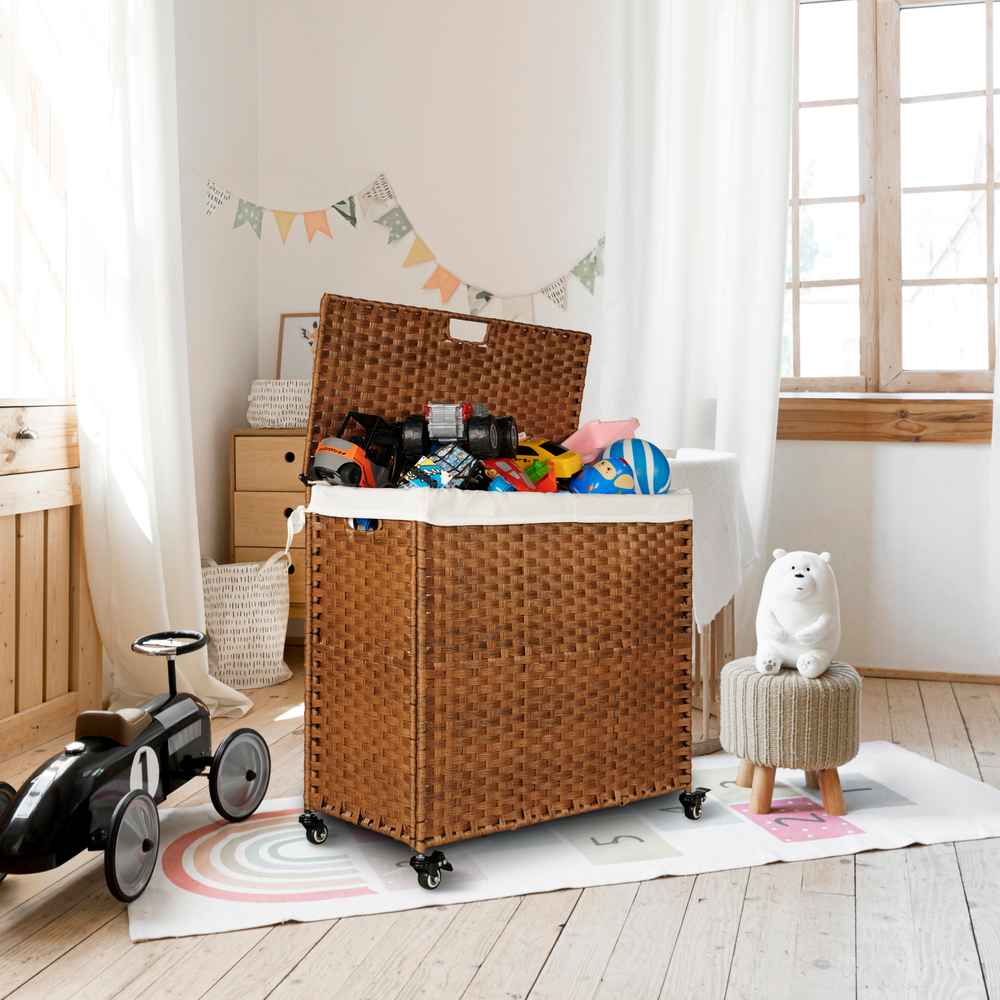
(467, 680)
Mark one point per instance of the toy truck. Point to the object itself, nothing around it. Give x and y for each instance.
(371, 459)
(467, 424)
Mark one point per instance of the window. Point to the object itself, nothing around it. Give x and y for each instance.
(891, 282)
(34, 353)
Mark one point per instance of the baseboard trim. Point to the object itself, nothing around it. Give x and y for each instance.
(928, 675)
(706, 747)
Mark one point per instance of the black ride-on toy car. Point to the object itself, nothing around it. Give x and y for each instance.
(101, 792)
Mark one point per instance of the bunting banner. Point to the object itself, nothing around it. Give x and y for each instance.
(445, 282)
(518, 308)
(556, 292)
(284, 220)
(216, 196)
(479, 299)
(250, 213)
(396, 222)
(316, 222)
(348, 211)
(418, 252)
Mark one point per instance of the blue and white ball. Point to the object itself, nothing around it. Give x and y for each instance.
(649, 465)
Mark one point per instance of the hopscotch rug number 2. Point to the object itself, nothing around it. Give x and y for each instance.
(215, 876)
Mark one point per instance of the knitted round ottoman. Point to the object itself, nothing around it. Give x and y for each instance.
(787, 720)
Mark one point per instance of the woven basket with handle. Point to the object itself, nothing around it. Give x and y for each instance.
(467, 680)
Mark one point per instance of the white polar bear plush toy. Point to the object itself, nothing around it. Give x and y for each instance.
(798, 619)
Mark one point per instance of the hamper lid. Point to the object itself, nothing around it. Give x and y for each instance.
(387, 359)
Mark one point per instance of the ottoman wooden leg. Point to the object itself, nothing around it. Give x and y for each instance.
(812, 781)
(833, 797)
(763, 787)
(744, 776)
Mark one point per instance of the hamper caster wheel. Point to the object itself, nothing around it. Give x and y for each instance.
(429, 867)
(693, 802)
(316, 831)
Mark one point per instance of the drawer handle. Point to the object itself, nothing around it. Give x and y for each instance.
(289, 456)
(26, 434)
(288, 512)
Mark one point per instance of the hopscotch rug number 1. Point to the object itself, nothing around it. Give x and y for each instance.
(215, 876)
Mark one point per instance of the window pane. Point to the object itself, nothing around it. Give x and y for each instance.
(942, 50)
(944, 328)
(828, 151)
(786, 336)
(829, 332)
(944, 235)
(829, 237)
(828, 50)
(943, 142)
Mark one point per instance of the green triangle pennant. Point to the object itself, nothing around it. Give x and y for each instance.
(348, 211)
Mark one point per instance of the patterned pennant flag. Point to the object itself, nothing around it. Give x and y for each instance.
(587, 271)
(284, 220)
(216, 196)
(316, 222)
(347, 210)
(418, 253)
(378, 191)
(446, 283)
(556, 293)
(396, 222)
(250, 213)
(518, 308)
(478, 300)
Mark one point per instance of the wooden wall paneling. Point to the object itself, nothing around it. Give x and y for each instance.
(8, 615)
(57, 604)
(86, 658)
(30, 609)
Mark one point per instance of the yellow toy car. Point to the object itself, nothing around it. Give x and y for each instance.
(567, 463)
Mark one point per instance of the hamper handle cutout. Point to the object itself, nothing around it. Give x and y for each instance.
(471, 330)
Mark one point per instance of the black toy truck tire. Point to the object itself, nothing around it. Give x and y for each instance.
(350, 474)
(507, 427)
(484, 437)
(416, 439)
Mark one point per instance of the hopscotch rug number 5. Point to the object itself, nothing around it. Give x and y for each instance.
(216, 876)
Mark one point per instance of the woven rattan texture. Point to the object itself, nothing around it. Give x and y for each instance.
(361, 674)
(787, 720)
(391, 360)
(552, 674)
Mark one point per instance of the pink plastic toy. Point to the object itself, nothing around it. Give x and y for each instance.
(595, 435)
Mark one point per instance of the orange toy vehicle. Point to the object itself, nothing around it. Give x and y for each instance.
(370, 460)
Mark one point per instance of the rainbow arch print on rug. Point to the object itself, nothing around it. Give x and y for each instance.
(263, 860)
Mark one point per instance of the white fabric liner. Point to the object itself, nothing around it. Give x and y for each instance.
(895, 798)
(455, 507)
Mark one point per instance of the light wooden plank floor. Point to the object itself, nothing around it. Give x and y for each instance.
(923, 922)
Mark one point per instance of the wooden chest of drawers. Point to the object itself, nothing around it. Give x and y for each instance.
(264, 467)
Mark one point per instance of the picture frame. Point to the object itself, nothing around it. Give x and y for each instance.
(296, 339)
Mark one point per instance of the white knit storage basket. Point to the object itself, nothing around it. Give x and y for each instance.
(279, 402)
(246, 614)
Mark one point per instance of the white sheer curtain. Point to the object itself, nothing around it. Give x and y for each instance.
(126, 303)
(697, 215)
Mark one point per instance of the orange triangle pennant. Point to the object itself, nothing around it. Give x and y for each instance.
(418, 253)
(445, 282)
(316, 222)
(284, 220)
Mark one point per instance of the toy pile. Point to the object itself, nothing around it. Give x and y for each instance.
(462, 446)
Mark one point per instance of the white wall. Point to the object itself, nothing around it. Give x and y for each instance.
(217, 126)
(907, 527)
(489, 120)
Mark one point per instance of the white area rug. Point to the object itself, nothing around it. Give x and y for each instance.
(216, 876)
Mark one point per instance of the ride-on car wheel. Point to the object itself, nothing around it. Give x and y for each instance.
(484, 438)
(241, 771)
(133, 845)
(7, 793)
